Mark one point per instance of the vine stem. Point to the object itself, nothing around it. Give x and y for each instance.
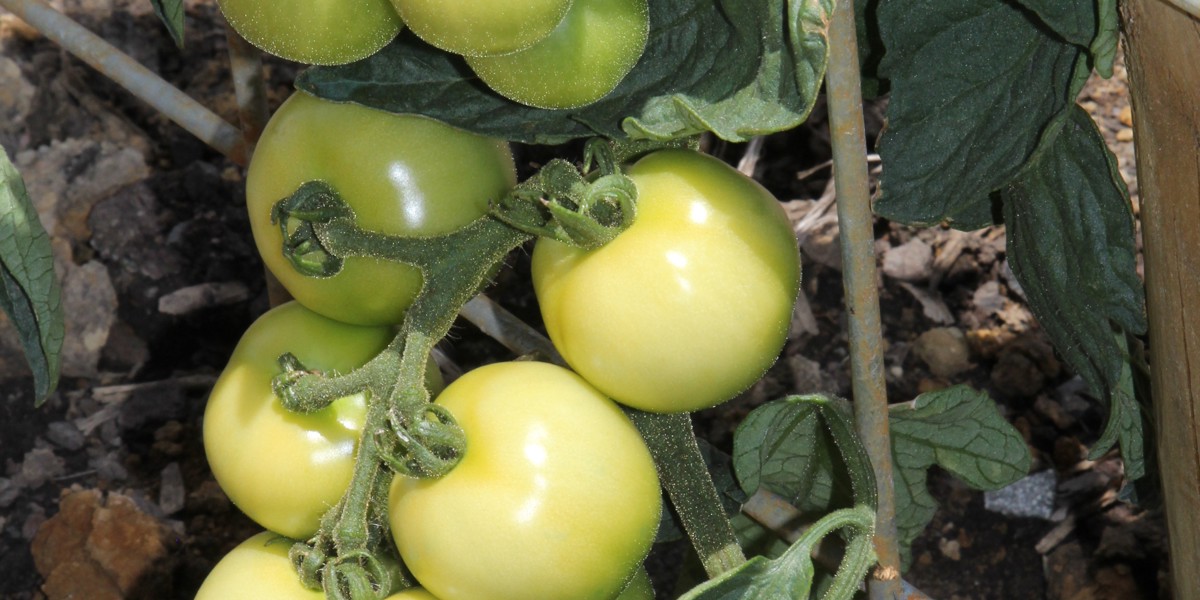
(140, 81)
(862, 296)
(685, 476)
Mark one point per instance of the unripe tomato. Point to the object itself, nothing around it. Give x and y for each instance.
(401, 174)
(556, 497)
(283, 469)
(482, 27)
(687, 307)
(316, 32)
(582, 60)
(259, 569)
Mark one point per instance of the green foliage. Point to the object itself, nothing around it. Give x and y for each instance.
(960, 430)
(1108, 33)
(785, 447)
(789, 447)
(804, 445)
(170, 12)
(982, 127)
(791, 575)
(973, 85)
(1124, 423)
(1071, 244)
(29, 289)
(730, 66)
(1091, 24)
(870, 47)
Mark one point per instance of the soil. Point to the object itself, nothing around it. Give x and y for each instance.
(105, 490)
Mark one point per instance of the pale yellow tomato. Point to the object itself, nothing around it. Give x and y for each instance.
(259, 569)
(556, 498)
(687, 307)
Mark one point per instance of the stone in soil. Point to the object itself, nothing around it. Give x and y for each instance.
(100, 547)
(944, 350)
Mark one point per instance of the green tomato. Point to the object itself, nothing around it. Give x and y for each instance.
(482, 27)
(316, 32)
(586, 56)
(259, 569)
(687, 307)
(284, 469)
(556, 497)
(401, 174)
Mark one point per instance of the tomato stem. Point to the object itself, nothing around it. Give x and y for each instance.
(403, 431)
(685, 476)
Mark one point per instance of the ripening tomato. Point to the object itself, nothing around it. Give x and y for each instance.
(482, 27)
(582, 60)
(555, 498)
(401, 174)
(259, 569)
(284, 469)
(315, 32)
(687, 307)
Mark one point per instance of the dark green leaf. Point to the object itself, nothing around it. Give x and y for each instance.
(29, 289)
(1104, 45)
(170, 12)
(1074, 20)
(804, 448)
(1124, 424)
(870, 47)
(1071, 246)
(1092, 24)
(726, 66)
(974, 82)
(960, 430)
(784, 447)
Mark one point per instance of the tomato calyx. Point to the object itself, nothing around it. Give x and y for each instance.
(583, 207)
(561, 203)
(425, 447)
(352, 575)
(296, 216)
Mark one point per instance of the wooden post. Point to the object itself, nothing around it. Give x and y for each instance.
(1163, 57)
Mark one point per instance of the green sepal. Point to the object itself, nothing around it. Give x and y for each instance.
(314, 202)
(563, 204)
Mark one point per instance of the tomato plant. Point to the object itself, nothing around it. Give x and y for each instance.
(281, 468)
(581, 61)
(669, 299)
(259, 569)
(687, 307)
(316, 32)
(556, 497)
(401, 175)
(482, 27)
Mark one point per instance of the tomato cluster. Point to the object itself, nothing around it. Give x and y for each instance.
(554, 54)
(555, 494)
